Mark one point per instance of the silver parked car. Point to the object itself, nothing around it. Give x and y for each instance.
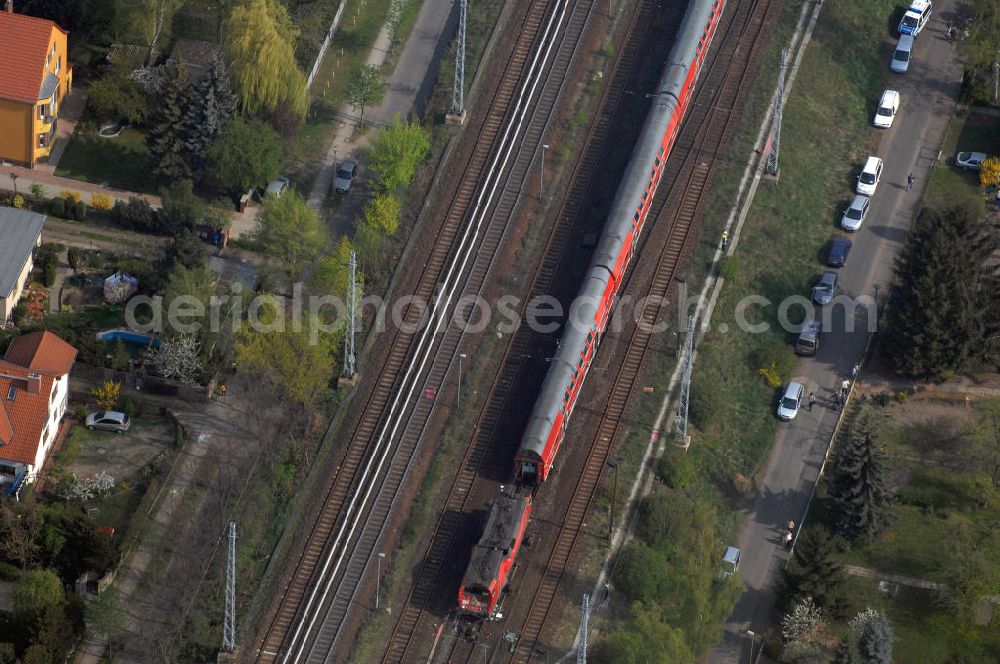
(970, 161)
(345, 176)
(108, 420)
(826, 288)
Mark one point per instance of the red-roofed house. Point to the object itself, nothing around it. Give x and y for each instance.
(34, 391)
(35, 76)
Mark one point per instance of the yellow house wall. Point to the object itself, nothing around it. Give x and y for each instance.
(15, 131)
(65, 75)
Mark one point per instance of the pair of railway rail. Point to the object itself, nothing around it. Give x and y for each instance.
(360, 495)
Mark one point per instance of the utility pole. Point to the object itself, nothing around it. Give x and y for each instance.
(541, 173)
(461, 356)
(611, 522)
(458, 91)
(350, 361)
(581, 653)
(771, 168)
(229, 624)
(378, 577)
(681, 420)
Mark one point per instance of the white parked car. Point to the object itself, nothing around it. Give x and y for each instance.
(888, 105)
(916, 17)
(855, 213)
(870, 176)
(902, 55)
(788, 407)
(970, 161)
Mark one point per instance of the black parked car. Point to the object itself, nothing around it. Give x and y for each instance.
(839, 251)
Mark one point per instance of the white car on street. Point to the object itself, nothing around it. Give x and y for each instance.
(870, 176)
(888, 105)
(788, 407)
(901, 56)
(855, 213)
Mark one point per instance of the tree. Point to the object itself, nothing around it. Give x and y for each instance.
(186, 286)
(165, 140)
(210, 108)
(940, 314)
(332, 271)
(989, 172)
(287, 358)
(260, 40)
(178, 359)
(20, 524)
(981, 52)
(135, 214)
(868, 640)
(245, 155)
(107, 394)
(858, 484)
(396, 153)
(182, 210)
(116, 96)
(151, 20)
(186, 250)
(813, 572)
(36, 590)
(289, 231)
(365, 88)
(120, 359)
(800, 628)
(645, 639)
(382, 213)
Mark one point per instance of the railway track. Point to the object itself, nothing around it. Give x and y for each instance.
(708, 129)
(339, 548)
(402, 645)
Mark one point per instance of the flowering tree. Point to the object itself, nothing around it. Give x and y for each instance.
(177, 360)
(107, 394)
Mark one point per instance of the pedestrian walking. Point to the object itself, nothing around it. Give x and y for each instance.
(845, 387)
(788, 540)
(791, 526)
(725, 240)
(909, 182)
(812, 401)
(854, 371)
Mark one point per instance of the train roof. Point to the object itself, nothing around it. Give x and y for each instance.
(498, 539)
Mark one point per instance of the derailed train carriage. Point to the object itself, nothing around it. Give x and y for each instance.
(493, 557)
(592, 308)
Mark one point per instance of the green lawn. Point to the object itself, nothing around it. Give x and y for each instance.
(121, 162)
(825, 133)
(969, 131)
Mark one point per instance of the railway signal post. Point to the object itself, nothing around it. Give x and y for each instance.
(378, 576)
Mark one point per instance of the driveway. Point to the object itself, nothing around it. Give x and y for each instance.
(928, 98)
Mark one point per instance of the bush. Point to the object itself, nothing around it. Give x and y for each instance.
(19, 313)
(49, 270)
(775, 361)
(135, 214)
(80, 210)
(38, 191)
(703, 403)
(102, 202)
(80, 412)
(641, 573)
(70, 195)
(676, 468)
(17, 201)
(74, 258)
(57, 207)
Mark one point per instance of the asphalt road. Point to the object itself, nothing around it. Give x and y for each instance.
(928, 93)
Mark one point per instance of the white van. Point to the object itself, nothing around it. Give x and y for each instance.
(901, 56)
(916, 17)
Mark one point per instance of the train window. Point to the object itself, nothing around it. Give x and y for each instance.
(637, 215)
(579, 362)
(645, 195)
(662, 150)
(657, 160)
(590, 337)
(566, 397)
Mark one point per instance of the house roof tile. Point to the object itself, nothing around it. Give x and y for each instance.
(41, 352)
(26, 413)
(24, 42)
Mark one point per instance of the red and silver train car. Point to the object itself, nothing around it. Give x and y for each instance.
(493, 556)
(592, 308)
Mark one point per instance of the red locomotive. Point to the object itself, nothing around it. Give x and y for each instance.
(493, 556)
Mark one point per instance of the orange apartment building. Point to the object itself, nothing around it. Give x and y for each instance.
(35, 77)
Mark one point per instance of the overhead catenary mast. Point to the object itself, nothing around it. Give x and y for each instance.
(458, 91)
(229, 624)
(771, 168)
(350, 360)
